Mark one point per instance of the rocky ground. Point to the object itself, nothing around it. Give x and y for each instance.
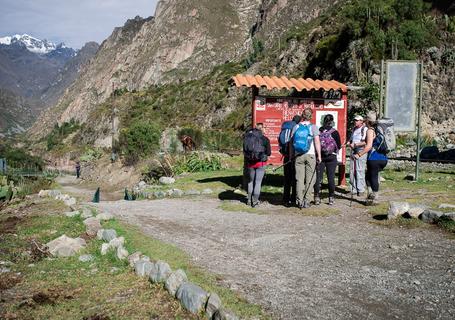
(300, 265)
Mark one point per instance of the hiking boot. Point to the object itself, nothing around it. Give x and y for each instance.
(361, 194)
(331, 201)
(317, 200)
(255, 204)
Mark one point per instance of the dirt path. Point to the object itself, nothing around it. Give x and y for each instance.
(303, 267)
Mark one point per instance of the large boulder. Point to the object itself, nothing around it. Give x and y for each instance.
(92, 225)
(65, 246)
(143, 268)
(122, 253)
(106, 234)
(192, 297)
(167, 180)
(175, 280)
(105, 216)
(160, 272)
(86, 212)
(448, 216)
(70, 202)
(223, 314)
(431, 216)
(397, 209)
(133, 258)
(415, 210)
(213, 304)
(117, 242)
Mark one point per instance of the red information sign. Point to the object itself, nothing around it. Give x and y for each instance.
(273, 111)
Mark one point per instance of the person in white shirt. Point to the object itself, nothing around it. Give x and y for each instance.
(357, 165)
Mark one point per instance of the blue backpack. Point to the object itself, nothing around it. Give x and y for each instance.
(285, 136)
(303, 138)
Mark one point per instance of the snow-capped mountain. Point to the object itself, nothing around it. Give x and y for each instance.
(32, 44)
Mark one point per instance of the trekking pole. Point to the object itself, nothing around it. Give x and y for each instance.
(287, 162)
(355, 181)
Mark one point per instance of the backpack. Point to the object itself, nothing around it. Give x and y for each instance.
(253, 145)
(385, 136)
(328, 143)
(285, 136)
(303, 137)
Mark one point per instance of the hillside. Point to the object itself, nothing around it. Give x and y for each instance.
(160, 73)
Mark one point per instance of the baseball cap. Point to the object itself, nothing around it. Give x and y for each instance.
(358, 117)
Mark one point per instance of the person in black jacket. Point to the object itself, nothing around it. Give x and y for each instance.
(329, 136)
(256, 170)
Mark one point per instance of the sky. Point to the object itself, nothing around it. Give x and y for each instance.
(73, 22)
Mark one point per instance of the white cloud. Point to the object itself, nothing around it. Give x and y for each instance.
(70, 21)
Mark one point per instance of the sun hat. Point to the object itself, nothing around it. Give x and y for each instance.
(371, 116)
(358, 117)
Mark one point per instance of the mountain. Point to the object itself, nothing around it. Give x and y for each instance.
(32, 44)
(36, 72)
(184, 40)
(175, 67)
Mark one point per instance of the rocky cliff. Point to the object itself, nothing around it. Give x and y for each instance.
(184, 41)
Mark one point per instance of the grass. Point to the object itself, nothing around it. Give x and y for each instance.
(66, 288)
(178, 259)
(240, 207)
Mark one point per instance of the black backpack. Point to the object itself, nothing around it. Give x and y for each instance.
(253, 145)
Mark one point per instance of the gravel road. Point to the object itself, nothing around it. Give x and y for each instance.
(309, 267)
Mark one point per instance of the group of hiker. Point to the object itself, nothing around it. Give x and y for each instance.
(309, 151)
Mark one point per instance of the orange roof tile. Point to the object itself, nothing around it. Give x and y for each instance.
(299, 84)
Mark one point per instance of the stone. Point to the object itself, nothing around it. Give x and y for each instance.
(65, 246)
(431, 216)
(415, 210)
(99, 234)
(160, 272)
(142, 184)
(192, 192)
(167, 180)
(213, 304)
(159, 194)
(122, 253)
(446, 206)
(105, 216)
(223, 314)
(117, 242)
(105, 247)
(396, 209)
(192, 297)
(174, 281)
(133, 258)
(92, 225)
(70, 202)
(143, 267)
(53, 193)
(86, 213)
(86, 258)
(177, 193)
(43, 193)
(115, 270)
(71, 214)
(449, 216)
(108, 235)
(207, 191)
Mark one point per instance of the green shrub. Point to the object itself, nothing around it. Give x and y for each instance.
(59, 133)
(20, 158)
(197, 162)
(141, 139)
(91, 155)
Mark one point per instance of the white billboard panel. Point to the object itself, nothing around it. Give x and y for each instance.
(400, 98)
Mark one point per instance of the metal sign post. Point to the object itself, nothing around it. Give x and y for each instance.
(419, 112)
